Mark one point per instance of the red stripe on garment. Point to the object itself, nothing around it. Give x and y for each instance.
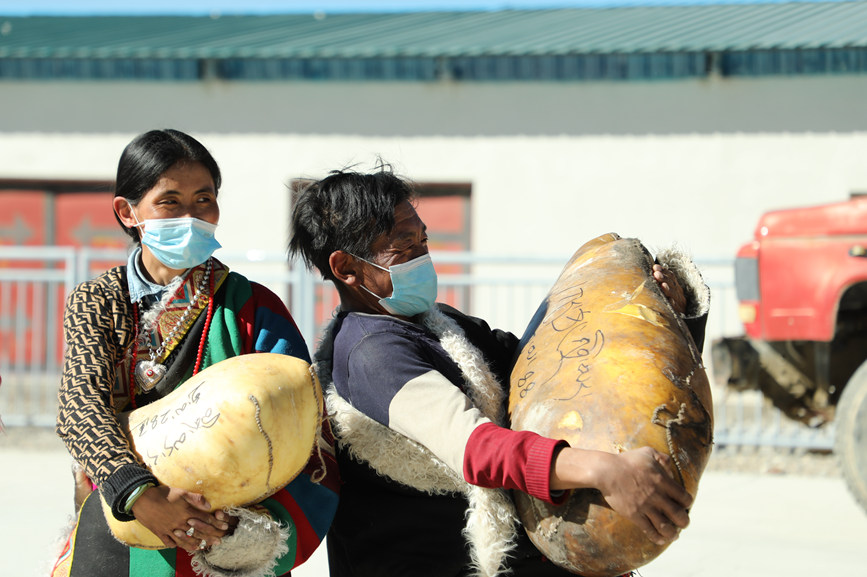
(246, 317)
(183, 564)
(332, 476)
(306, 540)
(331, 480)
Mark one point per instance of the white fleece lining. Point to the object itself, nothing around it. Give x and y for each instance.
(252, 550)
(678, 260)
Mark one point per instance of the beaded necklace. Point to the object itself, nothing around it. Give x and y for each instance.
(146, 374)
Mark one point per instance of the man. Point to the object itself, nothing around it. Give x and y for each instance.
(416, 392)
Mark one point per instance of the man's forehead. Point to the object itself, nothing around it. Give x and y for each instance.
(406, 220)
(406, 225)
(403, 211)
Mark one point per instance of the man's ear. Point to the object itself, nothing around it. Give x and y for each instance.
(344, 267)
(124, 212)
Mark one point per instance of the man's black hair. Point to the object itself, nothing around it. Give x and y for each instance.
(346, 211)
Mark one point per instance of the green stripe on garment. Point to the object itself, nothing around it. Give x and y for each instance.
(224, 339)
(151, 563)
(278, 512)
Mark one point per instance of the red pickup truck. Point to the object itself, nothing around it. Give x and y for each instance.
(801, 284)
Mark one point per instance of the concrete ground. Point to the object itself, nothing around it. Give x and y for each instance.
(746, 524)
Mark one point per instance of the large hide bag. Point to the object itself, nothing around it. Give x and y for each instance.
(236, 432)
(607, 364)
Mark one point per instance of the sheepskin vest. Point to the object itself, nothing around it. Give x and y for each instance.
(491, 526)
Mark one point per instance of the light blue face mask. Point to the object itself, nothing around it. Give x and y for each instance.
(179, 243)
(413, 286)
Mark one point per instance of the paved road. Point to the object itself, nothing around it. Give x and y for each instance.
(744, 525)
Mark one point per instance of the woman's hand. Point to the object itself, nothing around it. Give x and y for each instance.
(181, 518)
(636, 484)
(667, 281)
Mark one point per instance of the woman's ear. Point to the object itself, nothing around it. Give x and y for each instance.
(344, 267)
(124, 212)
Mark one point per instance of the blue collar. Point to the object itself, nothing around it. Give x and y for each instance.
(140, 288)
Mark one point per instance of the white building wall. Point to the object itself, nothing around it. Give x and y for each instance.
(550, 164)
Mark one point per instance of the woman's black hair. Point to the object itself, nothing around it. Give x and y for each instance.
(149, 155)
(345, 211)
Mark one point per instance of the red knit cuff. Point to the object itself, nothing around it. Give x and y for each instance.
(538, 473)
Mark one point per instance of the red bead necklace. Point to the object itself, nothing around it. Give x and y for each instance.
(210, 315)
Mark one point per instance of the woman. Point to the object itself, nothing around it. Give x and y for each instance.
(136, 332)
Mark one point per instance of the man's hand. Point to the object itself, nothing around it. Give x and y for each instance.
(636, 484)
(667, 281)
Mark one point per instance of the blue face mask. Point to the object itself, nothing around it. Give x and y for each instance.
(414, 286)
(179, 243)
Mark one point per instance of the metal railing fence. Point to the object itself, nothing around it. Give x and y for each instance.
(34, 282)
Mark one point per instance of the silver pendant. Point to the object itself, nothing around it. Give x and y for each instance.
(148, 374)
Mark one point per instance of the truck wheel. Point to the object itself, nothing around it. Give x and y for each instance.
(850, 443)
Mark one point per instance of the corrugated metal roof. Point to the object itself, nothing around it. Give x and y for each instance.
(706, 28)
(626, 43)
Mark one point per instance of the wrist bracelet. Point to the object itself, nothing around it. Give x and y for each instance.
(133, 497)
